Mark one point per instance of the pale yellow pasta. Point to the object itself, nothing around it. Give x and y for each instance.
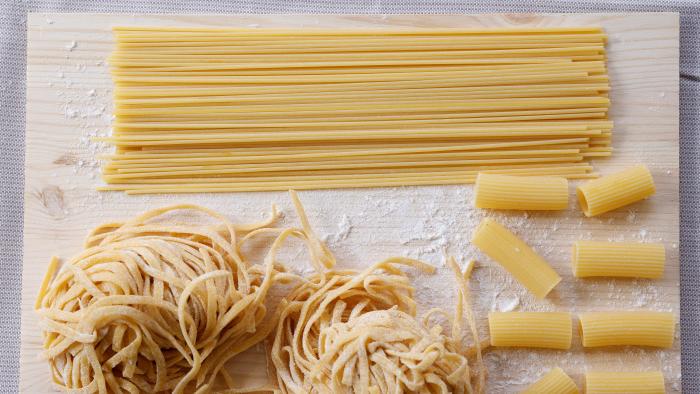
(244, 106)
(627, 328)
(347, 331)
(545, 193)
(555, 381)
(516, 257)
(551, 330)
(624, 382)
(616, 190)
(621, 259)
(161, 303)
(154, 305)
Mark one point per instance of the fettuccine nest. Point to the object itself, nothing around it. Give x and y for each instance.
(347, 331)
(153, 305)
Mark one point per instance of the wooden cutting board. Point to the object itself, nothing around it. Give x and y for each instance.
(69, 101)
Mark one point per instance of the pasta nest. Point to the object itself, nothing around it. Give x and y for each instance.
(356, 332)
(152, 305)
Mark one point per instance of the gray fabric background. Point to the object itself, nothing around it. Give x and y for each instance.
(13, 15)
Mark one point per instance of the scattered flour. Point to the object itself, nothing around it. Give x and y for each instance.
(506, 302)
(363, 226)
(342, 233)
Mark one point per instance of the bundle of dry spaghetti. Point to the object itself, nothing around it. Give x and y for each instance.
(155, 305)
(348, 331)
(227, 109)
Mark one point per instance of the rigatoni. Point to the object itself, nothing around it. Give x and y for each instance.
(516, 257)
(618, 259)
(555, 381)
(531, 329)
(616, 190)
(624, 382)
(627, 328)
(497, 191)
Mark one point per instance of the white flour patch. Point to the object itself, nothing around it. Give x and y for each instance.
(363, 226)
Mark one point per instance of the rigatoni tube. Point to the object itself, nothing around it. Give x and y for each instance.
(555, 381)
(545, 193)
(551, 330)
(616, 190)
(627, 328)
(624, 382)
(516, 257)
(618, 259)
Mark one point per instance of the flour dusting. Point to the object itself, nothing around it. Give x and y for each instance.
(363, 226)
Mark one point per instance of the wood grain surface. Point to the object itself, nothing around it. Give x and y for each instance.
(69, 100)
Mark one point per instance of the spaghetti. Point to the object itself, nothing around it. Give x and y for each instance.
(196, 103)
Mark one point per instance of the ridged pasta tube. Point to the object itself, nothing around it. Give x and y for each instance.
(627, 328)
(555, 381)
(616, 190)
(551, 330)
(624, 382)
(618, 259)
(516, 257)
(544, 193)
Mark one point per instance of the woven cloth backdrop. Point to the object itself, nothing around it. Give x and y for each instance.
(13, 17)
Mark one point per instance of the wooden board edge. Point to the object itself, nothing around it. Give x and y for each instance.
(34, 17)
